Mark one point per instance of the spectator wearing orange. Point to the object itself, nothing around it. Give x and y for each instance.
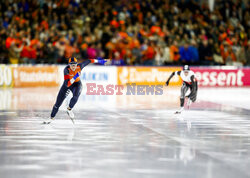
(149, 55)
(70, 50)
(32, 54)
(9, 40)
(229, 55)
(174, 52)
(25, 53)
(142, 20)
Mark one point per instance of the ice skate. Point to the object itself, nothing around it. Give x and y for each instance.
(179, 111)
(48, 120)
(71, 115)
(189, 102)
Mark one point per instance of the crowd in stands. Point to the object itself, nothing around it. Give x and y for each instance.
(130, 32)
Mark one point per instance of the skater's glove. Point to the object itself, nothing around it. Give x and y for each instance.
(99, 60)
(74, 78)
(167, 83)
(102, 61)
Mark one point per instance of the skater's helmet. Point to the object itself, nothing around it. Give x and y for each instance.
(186, 68)
(72, 60)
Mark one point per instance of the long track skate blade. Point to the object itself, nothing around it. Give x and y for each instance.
(72, 120)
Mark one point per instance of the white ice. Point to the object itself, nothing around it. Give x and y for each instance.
(126, 136)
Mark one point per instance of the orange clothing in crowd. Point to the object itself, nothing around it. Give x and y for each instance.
(34, 42)
(174, 53)
(149, 53)
(32, 53)
(69, 50)
(65, 3)
(25, 52)
(8, 42)
(231, 54)
(143, 32)
(227, 53)
(20, 20)
(45, 25)
(114, 23)
(140, 17)
(84, 46)
(123, 35)
(134, 43)
(155, 29)
(110, 45)
(223, 36)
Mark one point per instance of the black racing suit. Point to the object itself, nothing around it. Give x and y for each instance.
(193, 86)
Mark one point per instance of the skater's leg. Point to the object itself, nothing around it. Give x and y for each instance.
(184, 90)
(194, 95)
(60, 97)
(76, 90)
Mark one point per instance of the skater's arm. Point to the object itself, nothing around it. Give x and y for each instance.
(174, 73)
(86, 62)
(66, 77)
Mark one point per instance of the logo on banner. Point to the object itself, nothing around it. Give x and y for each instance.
(5, 76)
(146, 75)
(220, 77)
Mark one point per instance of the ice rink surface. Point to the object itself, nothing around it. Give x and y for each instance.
(126, 136)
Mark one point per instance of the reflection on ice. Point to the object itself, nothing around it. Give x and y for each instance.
(127, 136)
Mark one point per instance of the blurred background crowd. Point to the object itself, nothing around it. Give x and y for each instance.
(130, 32)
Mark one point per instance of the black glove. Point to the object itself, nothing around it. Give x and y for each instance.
(167, 83)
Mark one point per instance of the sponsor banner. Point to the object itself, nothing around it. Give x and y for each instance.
(147, 75)
(6, 79)
(103, 75)
(49, 76)
(100, 75)
(213, 77)
(36, 76)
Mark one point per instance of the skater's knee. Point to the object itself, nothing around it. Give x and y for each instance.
(75, 98)
(56, 106)
(193, 99)
(182, 102)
